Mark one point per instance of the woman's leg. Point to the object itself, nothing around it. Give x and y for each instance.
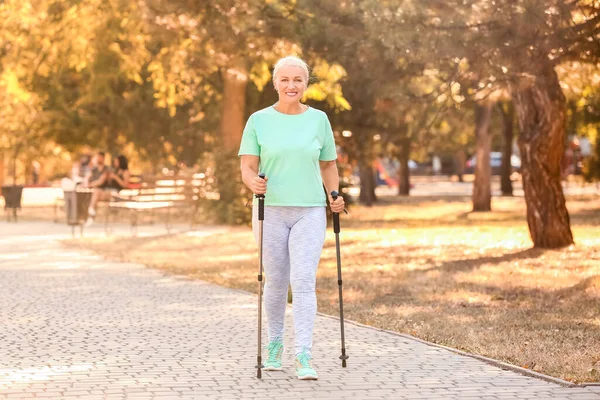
(276, 262)
(306, 243)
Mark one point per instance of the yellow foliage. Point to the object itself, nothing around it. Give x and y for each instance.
(315, 92)
(328, 87)
(10, 82)
(260, 75)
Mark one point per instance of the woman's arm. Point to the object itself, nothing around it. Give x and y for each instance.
(329, 173)
(249, 168)
(123, 182)
(331, 180)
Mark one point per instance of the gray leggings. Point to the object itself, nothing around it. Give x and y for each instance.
(292, 243)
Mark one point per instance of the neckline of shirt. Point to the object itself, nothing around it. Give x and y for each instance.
(291, 115)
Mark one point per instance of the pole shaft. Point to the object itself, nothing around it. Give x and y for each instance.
(260, 287)
(336, 230)
(261, 217)
(339, 270)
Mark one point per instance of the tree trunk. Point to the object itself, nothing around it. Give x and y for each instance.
(367, 182)
(541, 112)
(404, 171)
(235, 81)
(508, 117)
(482, 191)
(1, 168)
(231, 126)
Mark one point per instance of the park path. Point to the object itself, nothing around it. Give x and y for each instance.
(73, 325)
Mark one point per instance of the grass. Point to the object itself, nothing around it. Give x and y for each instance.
(433, 269)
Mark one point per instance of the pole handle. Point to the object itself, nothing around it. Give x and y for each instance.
(261, 201)
(336, 216)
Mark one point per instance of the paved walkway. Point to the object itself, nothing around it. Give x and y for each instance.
(76, 326)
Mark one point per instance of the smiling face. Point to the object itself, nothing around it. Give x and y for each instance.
(290, 83)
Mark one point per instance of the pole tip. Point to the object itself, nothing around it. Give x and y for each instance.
(343, 363)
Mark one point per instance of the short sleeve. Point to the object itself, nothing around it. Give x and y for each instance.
(328, 152)
(249, 145)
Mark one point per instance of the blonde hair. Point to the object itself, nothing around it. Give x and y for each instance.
(290, 60)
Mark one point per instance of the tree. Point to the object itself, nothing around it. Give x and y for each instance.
(518, 44)
(20, 118)
(21, 109)
(581, 84)
(392, 101)
(222, 47)
(337, 33)
(427, 89)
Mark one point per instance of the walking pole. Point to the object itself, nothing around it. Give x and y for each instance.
(336, 230)
(261, 218)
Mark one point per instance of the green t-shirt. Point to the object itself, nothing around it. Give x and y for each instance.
(290, 148)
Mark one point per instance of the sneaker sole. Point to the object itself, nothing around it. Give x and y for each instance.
(273, 369)
(308, 377)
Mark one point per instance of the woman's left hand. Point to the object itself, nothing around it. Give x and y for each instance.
(337, 205)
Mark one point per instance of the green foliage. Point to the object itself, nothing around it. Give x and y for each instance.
(581, 84)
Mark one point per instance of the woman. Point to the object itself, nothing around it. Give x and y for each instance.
(293, 145)
(119, 176)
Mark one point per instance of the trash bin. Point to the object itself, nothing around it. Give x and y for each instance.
(77, 203)
(12, 200)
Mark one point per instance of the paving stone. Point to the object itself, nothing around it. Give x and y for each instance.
(77, 326)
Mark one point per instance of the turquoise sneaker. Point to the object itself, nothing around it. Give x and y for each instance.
(274, 355)
(304, 368)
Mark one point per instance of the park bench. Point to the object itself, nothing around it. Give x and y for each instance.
(59, 198)
(171, 196)
(151, 196)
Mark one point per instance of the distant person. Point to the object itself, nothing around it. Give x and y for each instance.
(35, 173)
(585, 147)
(436, 164)
(567, 162)
(83, 168)
(79, 173)
(97, 179)
(460, 160)
(118, 177)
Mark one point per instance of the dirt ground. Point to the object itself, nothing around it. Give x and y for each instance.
(432, 269)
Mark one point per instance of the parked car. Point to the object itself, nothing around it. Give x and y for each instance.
(495, 163)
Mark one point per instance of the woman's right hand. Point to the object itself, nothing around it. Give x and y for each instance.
(258, 185)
